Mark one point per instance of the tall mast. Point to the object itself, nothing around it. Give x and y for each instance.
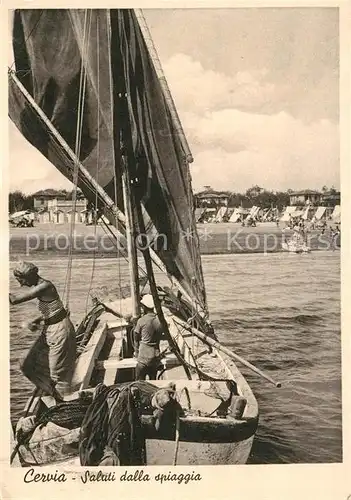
(153, 288)
(121, 138)
(131, 236)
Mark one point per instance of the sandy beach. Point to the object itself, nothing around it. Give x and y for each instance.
(223, 238)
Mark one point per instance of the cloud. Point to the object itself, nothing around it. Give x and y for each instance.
(201, 90)
(29, 171)
(295, 165)
(238, 146)
(237, 136)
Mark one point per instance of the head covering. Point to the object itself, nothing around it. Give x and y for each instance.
(162, 398)
(148, 301)
(24, 269)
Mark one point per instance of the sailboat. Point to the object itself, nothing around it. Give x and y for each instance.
(298, 241)
(296, 244)
(88, 92)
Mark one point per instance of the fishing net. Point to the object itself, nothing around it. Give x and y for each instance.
(112, 424)
(103, 428)
(50, 444)
(52, 436)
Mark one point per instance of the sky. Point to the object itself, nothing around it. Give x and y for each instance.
(256, 90)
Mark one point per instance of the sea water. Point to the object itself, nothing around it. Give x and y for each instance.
(280, 311)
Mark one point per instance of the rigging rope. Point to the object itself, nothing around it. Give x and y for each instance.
(83, 79)
(97, 162)
(79, 130)
(28, 37)
(113, 239)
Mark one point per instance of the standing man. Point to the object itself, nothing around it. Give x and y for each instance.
(147, 335)
(50, 362)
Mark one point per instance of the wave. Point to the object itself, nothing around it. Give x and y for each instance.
(307, 319)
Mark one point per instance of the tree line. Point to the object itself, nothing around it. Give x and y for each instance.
(261, 197)
(255, 195)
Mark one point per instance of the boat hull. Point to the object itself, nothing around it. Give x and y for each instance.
(199, 439)
(191, 453)
(291, 247)
(162, 453)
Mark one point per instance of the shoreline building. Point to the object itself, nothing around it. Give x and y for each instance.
(211, 199)
(329, 198)
(305, 197)
(42, 198)
(52, 206)
(61, 211)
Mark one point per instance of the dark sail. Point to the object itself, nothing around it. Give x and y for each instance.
(121, 93)
(50, 69)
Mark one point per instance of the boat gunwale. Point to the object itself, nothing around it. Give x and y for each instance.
(193, 427)
(234, 373)
(250, 419)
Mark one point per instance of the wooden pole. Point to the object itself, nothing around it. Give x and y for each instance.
(226, 351)
(177, 438)
(130, 230)
(154, 293)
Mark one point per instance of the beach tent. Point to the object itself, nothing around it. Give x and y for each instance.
(209, 215)
(252, 212)
(305, 214)
(199, 213)
(297, 213)
(266, 212)
(228, 214)
(235, 215)
(270, 214)
(255, 214)
(319, 213)
(287, 214)
(203, 214)
(220, 214)
(261, 212)
(336, 215)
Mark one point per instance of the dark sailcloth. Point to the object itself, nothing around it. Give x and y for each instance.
(90, 72)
